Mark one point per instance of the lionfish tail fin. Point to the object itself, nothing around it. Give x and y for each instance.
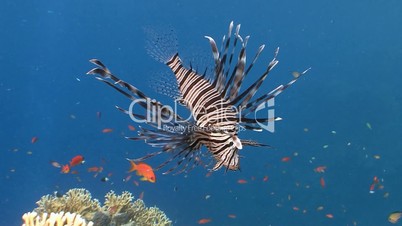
(161, 45)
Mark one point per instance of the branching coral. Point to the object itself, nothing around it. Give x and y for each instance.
(117, 210)
(54, 219)
(76, 200)
(118, 203)
(123, 210)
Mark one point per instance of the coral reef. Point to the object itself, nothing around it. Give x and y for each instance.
(54, 219)
(77, 200)
(118, 203)
(117, 210)
(123, 211)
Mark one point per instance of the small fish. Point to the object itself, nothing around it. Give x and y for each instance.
(107, 130)
(143, 170)
(232, 216)
(376, 182)
(136, 183)
(105, 179)
(204, 220)
(65, 169)
(322, 182)
(77, 160)
(95, 169)
(141, 196)
(127, 178)
(98, 114)
(320, 169)
(55, 164)
(34, 140)
(130, 127)
(329, 215)
(394, 217)
(265, 179)
(368, 126)
(372, 187)
(285, 159)
(242, 181)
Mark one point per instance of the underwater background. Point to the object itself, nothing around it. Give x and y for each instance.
(344, 114)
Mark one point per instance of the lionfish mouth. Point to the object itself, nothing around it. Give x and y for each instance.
(220, 107)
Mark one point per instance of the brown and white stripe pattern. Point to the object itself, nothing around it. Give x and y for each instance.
(219, 106)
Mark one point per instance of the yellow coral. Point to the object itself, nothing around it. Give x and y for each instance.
(55, 219)
(136, 211)
(117, 210)
(143, 216)
(76, 200)
(117, 203)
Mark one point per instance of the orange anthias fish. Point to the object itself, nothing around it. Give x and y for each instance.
(204, 221)
(34, 139)
(65, 169)
(143, 170)
(77, 160)
(320, 169)
(107, 130)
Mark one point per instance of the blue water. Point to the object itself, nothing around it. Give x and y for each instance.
(353, 47)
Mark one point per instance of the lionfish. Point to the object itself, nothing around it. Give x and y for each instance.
(219, 108)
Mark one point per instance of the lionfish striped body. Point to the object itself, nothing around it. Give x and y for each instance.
(218, 107)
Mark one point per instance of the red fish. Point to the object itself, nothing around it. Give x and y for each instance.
(95, 169)
(265, 179)
(376, 182)
(34, 139)
(322, 182)
(320, 169)
(107, 130)
(77, 160)
(65, 169)
(242, 181)
(285, 159)
(143, 170)
(204, 220)
(130, 127)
